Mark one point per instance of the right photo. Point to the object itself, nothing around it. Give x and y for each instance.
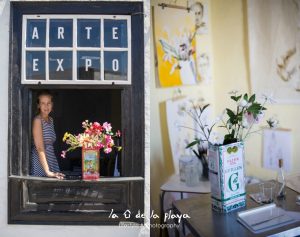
(224, 109)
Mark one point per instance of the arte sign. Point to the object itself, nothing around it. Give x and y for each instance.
(76, 48)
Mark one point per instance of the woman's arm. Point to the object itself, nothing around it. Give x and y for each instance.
(37, 132)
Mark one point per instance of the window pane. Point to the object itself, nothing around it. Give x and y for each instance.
(36, 33)
(61, 33)
(115, 65)
(115, 33)
(60, 65)
(35, 65)
(88, 33)
(88, 65)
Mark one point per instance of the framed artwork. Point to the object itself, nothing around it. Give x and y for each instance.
(175, 43)
(274, 48)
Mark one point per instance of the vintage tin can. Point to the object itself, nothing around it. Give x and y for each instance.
(90, 164)
(227, 176)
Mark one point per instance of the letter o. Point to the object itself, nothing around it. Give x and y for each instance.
(115, 65)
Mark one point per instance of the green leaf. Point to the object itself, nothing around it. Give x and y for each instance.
(230, 113)
(204, 107)
(255, 108)
(246, 97)
(236, 98)
(193, 143)
(252, 98)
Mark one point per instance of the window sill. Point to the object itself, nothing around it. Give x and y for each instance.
(52, 201)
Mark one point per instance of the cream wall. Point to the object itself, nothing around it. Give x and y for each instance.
(228, 24)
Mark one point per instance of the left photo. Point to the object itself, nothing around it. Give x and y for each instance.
(74, 110)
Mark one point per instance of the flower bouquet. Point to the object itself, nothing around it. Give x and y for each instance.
(226, 158)
(95, 137)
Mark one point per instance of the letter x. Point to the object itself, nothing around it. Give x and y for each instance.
(59, 67)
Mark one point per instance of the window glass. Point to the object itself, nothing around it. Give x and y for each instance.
(60, 65)
(61, 33)
(88, 65)
(115, 65)
(77, 48)
(35, 65)
(115, 33)
(88, 33)
(36, 33)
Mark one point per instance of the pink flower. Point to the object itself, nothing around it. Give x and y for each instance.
(107, 150)
(253, 119)
(99, 145)
(107, 126)
(63, 154)
(118, 133)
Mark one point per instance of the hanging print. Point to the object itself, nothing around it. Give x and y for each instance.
(176, 44)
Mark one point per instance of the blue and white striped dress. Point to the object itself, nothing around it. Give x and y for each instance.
(49, 138)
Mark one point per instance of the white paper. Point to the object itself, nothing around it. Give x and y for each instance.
(181, 128)
(274, 48)
(277, 144)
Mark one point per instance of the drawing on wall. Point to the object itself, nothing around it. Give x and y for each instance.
(176, 45)
(277, 144)
(181, 127)
(274, 47)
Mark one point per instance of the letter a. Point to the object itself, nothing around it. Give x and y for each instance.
(35, 33)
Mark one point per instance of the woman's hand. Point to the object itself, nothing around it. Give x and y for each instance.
(57, 175)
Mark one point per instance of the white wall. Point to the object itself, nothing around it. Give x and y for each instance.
(57, 231)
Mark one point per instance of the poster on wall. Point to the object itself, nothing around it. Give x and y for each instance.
(181, 127)
(175, 42)
(274, 48)
(277, 144)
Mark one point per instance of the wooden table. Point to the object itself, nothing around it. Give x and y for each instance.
(206, 222)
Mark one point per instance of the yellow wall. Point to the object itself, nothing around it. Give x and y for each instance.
(160, 154)
(230, 70)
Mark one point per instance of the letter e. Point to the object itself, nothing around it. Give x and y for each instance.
(35, 65)
(115, 33)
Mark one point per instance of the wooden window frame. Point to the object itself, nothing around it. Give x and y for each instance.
(37, 200)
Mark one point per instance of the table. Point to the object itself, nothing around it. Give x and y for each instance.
(206, 222)
(175, 185)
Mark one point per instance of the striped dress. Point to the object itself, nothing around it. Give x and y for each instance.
(49, 138)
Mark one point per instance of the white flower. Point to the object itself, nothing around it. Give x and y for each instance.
(268, 98)
(245, 123)
(243, 103)
(216, 138)
(273, 122)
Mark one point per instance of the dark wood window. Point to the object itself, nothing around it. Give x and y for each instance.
(37, 200)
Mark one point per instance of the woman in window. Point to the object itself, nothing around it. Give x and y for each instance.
(43, 160)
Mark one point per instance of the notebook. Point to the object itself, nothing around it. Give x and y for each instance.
(264, 218)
